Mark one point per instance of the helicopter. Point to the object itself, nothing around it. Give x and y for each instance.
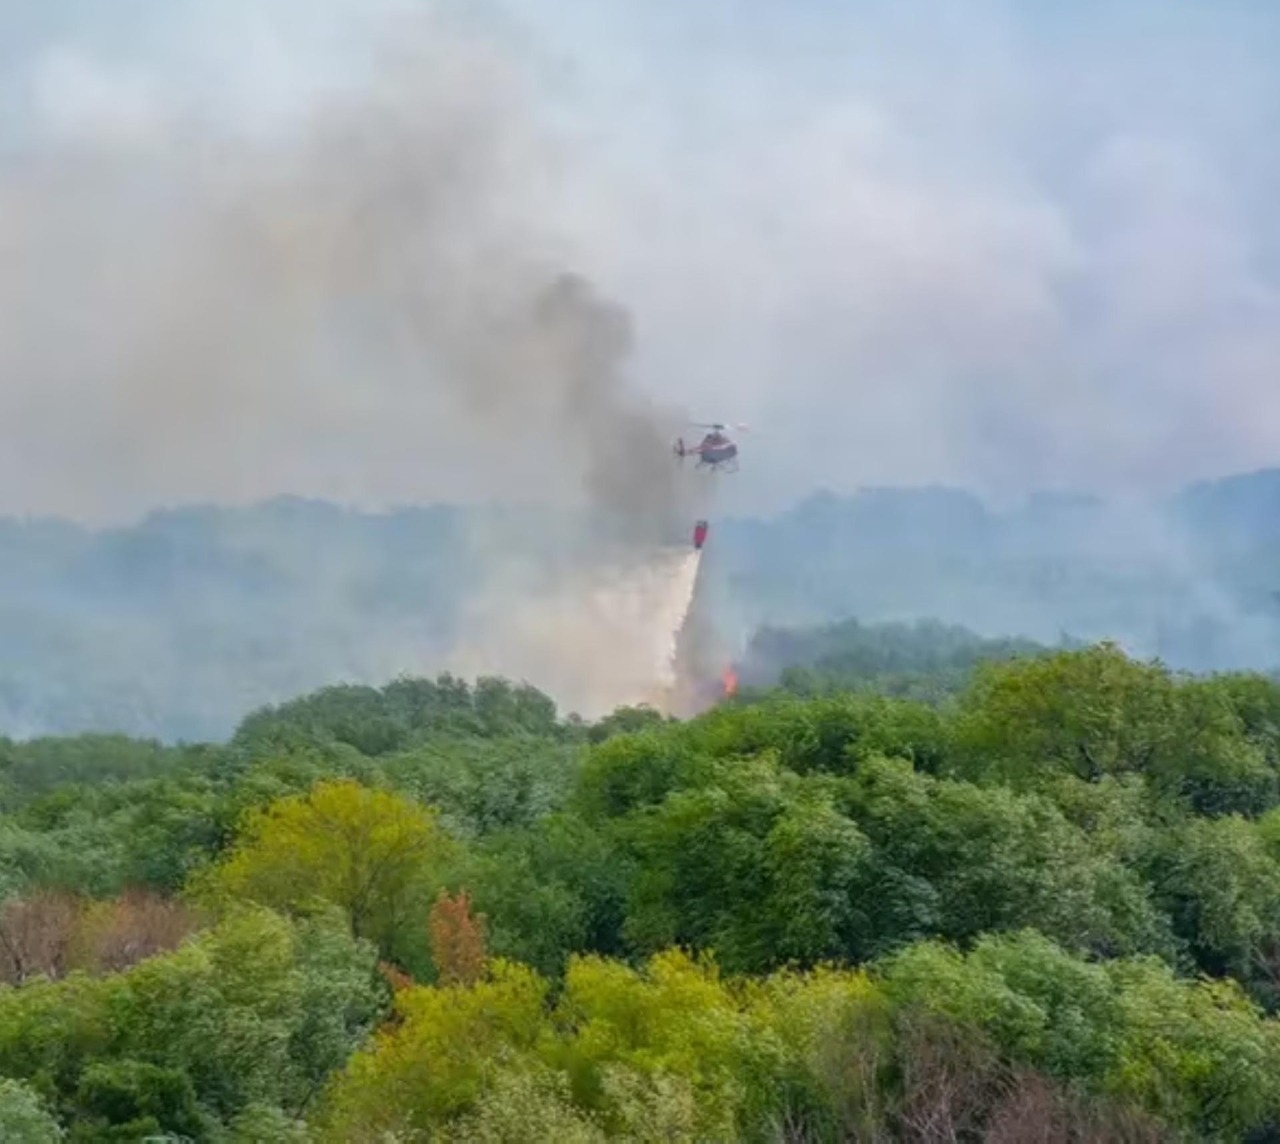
(715, 451)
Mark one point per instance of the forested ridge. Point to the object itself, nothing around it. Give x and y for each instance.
(176, 625)
(1043, 904)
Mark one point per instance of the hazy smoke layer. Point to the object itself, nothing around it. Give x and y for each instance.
(191, 313)
(905, 248)
(905, 243)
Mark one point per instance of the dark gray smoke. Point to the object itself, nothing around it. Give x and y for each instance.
(367, 304)
(575, 343)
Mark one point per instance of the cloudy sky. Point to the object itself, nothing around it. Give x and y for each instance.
(997, 244)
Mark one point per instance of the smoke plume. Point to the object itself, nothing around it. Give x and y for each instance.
(209, 309)
(200, 312)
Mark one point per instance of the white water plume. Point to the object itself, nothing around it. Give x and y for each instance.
(594, 641)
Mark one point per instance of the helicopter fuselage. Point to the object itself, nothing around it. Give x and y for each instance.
(714, 450)
(716, 454)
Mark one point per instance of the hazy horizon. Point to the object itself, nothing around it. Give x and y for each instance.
(1154, 500)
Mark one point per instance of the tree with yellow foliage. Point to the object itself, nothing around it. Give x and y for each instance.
(371, 853)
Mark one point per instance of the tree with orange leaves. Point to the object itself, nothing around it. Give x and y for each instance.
(458, 943)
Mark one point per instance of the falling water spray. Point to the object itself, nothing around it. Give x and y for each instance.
(602, 637)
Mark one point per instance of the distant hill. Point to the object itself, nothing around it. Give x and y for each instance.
(926, 660)
(1194, 580)
(175, 626)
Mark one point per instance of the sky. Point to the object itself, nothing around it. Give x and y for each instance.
(1009, 246)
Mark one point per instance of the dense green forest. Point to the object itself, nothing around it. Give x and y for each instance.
(1043, 904)
(176, 625)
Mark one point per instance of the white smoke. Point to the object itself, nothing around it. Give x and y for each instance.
(595, 640)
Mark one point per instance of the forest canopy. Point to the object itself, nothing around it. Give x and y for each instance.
(1039, 899)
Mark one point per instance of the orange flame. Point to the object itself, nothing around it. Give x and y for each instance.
(729, 681)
